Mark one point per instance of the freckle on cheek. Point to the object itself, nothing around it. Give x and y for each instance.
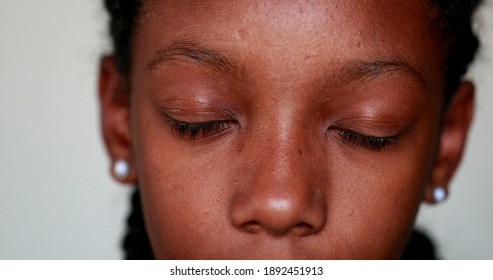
(240, 148)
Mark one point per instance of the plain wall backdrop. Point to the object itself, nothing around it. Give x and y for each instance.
(57, 200)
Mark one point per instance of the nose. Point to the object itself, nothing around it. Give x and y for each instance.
(281, 198)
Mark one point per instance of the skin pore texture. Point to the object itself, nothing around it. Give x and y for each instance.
(283, 129)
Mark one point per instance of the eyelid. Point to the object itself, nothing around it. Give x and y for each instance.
(185, 109)
(371, 127)
(198, 130)
(193, 119)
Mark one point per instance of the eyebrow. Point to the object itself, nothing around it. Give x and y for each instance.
(358, 70)
(362, 70)
(179, 50)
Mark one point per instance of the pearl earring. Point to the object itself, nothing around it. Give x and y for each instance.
(121, 169)
(439, 194)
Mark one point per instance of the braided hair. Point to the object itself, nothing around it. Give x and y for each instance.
(455, 26)
(123, 14)
(453, 19)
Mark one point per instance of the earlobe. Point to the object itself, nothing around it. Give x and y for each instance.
(114, 106)
(453, 135)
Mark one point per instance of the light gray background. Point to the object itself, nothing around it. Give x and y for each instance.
(57, 200)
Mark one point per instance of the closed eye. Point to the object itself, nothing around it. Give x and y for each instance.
(371, 143)
(192, 131)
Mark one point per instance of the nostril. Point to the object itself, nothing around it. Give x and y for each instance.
(300, 229)
(303, 229)
(251, 227)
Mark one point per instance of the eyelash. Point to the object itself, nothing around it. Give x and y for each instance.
(191, 131)
(375, 144)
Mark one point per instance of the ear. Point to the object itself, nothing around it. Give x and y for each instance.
(114, 103)
(452, 140)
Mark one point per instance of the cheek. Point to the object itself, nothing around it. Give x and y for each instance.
(177, 210)
(181, 209)
(185, 193)
(375, 198)
(374, 208)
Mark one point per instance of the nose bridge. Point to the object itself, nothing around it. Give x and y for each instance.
(287, 141)
(282, 168)
(281, 196)
(283, 165)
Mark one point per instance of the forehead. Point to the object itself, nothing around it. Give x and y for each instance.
(290, 32)
(295, 16)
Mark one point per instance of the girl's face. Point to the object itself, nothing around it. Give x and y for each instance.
(284, 129)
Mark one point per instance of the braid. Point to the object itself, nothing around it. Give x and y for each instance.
(136, 244)
(419, 247)
(454, 21)
(123, 14)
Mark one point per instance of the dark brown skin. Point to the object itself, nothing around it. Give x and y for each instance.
(282, 174)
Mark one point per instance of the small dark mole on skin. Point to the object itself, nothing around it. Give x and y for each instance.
(240, 148)
(300, 152)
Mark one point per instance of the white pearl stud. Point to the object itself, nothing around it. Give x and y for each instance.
(121, 169)
(439, 194)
